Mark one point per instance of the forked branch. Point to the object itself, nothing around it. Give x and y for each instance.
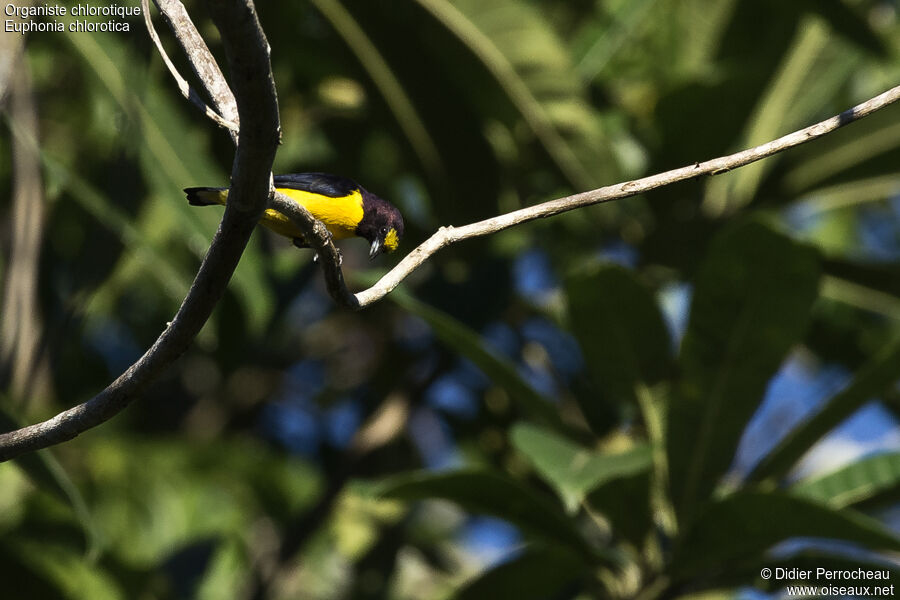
(254, 106)
(317, 236)
(251, 181)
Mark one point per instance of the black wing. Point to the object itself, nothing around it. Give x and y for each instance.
(333, 186)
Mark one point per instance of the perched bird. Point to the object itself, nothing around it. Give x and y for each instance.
(345, 207)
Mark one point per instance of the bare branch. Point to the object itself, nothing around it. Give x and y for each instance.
(207, 70)
(183, 86)
(248, 56)
(317, 236)
(201, 59)
(449, 235)
(254, 90)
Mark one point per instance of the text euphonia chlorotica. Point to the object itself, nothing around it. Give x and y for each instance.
(344, 207)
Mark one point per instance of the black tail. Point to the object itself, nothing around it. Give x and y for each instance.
(205, 196)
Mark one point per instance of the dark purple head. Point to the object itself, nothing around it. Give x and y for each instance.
(382, 224)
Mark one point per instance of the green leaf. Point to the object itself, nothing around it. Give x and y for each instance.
(627, 348)
(227, 571)
(469, 344)
(742, 526)
(199, 490)
(628, 33)
(493, 494)
(65, 570)
(596, 44)
(620, 329)
(849, 23)
(847, 292)
(626, 503)
(874, 378)
(849, 194)
(708, 22)
(537, 573)
(574, 471)
(752, 300)
(858, 482)
(519, 48)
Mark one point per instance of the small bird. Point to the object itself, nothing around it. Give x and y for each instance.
(345, 207)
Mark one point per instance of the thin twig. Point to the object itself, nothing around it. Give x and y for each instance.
(183, 86)
(201, 60)
(248, 56)
(449, 235)
(446, 236)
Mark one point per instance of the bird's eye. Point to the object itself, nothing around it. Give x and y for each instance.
(383, 231)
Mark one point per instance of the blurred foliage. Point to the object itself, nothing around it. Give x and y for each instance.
(555, 411)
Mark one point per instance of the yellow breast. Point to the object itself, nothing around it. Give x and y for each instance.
(340, 215)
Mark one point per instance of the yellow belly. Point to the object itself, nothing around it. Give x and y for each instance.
(339, 215)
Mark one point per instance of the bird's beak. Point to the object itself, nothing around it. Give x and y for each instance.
(375, 248)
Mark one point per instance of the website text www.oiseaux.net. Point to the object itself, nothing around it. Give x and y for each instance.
(873, 583)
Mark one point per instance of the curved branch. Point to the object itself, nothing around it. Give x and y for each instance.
(251, 180)
(183, 86)
(201, 59)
